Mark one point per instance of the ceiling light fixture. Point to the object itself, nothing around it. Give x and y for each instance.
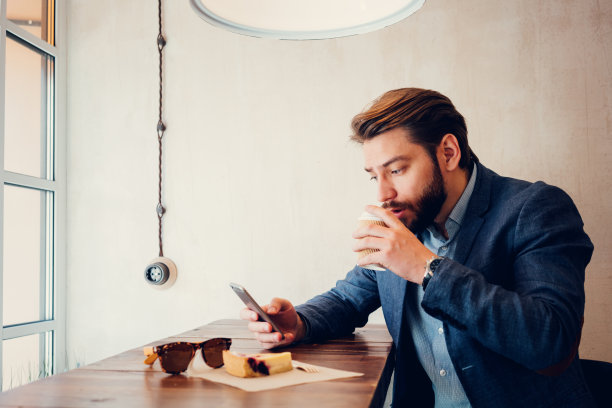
(304, 19)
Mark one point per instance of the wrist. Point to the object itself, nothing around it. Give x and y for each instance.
(430, 268)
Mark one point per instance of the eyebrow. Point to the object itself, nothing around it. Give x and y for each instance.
(389, 162)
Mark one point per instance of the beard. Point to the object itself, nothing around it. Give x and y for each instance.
(428, 204)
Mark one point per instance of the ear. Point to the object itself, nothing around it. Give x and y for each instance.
(450, 151)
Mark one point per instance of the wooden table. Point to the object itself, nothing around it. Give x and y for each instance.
(124, 381)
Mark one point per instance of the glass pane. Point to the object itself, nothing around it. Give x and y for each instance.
(35, 16)
(28, 88)
(24, 264)
(26, 359)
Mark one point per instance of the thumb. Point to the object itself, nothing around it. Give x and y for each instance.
(277, 305)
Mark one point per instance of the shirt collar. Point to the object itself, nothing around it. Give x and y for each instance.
(461, 207)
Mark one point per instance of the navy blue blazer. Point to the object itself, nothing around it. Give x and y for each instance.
(511, 301)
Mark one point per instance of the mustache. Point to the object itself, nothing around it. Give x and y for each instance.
(398, 205)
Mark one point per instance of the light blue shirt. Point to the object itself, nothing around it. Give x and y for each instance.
(428, 332)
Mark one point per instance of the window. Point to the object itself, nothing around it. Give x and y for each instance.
(32, 195)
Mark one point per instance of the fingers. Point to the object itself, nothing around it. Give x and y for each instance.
(369, 243)
(248, 314)
(273, 340)
(372, 259)
(387, 216)
(371, 230)
(374, 230)
(260, 327)
(268, 338)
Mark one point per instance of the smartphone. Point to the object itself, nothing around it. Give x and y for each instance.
(252, 304)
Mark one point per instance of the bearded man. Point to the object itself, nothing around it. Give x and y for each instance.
(483, 287)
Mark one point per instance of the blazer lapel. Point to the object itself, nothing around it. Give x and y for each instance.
(479, 203)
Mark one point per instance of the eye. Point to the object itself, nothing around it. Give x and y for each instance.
(397, 171)
(373, 178)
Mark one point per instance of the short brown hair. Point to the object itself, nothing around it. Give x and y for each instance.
(427, 116)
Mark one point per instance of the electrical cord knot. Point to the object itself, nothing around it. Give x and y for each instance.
(160, 210)
(161, 42)
(160, 128)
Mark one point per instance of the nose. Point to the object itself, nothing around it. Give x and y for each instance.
(386, 190)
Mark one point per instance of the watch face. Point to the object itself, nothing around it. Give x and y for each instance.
(434, 264)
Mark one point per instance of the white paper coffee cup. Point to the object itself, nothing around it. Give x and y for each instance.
(365, 219)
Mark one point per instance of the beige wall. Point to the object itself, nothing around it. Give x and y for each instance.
(261, 184)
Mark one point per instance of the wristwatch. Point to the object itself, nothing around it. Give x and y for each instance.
(430, 268)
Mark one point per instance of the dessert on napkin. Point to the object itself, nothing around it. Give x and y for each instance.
(261, 382)
(256, 365)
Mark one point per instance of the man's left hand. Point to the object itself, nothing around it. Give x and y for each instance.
(399, 250)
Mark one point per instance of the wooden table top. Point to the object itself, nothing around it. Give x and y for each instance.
(124, 381)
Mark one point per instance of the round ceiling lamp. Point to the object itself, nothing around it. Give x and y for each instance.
(304, 19)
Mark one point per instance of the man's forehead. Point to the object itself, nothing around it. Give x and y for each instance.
(389, 146)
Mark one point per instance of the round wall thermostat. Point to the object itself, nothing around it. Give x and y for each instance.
(161, 273)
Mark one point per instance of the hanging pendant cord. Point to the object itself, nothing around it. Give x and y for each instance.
(161, 42)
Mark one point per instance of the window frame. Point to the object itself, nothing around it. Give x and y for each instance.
(53, 246)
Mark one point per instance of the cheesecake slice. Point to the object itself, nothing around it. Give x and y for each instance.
(256, 365)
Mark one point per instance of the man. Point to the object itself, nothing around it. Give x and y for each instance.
(483, 291)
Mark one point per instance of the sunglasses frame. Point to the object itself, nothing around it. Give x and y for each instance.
(160, 352)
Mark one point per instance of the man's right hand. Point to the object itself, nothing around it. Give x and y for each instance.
(284, 315)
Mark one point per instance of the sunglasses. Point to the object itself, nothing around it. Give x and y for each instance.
(175, 357)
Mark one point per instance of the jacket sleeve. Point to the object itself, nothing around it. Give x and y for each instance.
(339, 311)
(536, 320)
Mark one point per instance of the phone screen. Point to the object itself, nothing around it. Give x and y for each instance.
(254, 306)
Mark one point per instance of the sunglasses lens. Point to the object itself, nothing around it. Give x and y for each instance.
(212, 351)
(175, 357)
